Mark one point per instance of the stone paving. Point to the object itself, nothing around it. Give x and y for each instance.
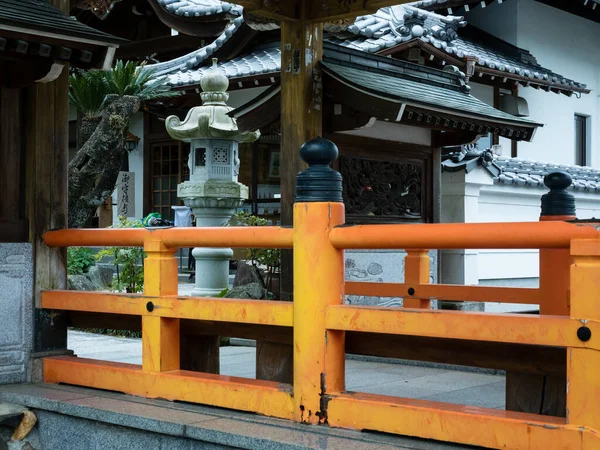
(475, 389)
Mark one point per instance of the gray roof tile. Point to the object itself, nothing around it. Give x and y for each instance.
(523, 172)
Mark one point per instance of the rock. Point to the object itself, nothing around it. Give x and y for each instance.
(247, 274)
(79, 283)
(101, 277)
(253, 291)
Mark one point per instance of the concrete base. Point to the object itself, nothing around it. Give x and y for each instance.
(78, 418)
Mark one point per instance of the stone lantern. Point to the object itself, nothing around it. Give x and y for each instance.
(213, 192)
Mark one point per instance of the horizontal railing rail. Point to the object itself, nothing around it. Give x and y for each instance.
(526, 235)
(235, 237)
(447, 292)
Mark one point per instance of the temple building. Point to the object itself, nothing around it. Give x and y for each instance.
(402, 90)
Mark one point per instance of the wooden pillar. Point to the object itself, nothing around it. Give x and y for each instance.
(47, 147)
(301, 120)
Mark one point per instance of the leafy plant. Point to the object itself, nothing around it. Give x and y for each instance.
(88, 91)
(128, 261)
(79, 260)
(269, 258)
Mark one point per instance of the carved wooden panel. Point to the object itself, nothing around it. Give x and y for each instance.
(382, 189)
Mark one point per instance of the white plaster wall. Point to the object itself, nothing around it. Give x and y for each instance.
(568, 45)
(564, 43)
(499, 19)
(396, 132)
(136, 165)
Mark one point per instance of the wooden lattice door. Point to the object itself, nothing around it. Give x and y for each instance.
(169, 168)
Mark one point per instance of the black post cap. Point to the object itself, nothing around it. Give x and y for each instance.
(319, 183)
(558, 202)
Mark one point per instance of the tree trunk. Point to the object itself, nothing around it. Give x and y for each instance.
(87, 126)
(93, 172)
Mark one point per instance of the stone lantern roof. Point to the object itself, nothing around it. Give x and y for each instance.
(210, 121)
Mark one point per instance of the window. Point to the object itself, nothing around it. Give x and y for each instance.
(582, 140)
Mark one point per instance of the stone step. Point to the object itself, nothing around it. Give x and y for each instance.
(78, 418)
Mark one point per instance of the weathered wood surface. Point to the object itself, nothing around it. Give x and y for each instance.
(13, 226)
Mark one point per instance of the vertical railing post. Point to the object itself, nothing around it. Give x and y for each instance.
(535, 393)
(416, 271)
(583, 364)
(319, 356)
(558, 204)
(160, 336)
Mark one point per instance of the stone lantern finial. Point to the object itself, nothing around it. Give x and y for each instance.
(214, 86)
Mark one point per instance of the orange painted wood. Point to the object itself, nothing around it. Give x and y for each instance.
(263, 397)
(467, 425)
(236, 237)
(416, 270)
(263, 312)
(462, 235)
(526, 296)
(583, 364)
(319, 356)
(160, 335)
(529, 329)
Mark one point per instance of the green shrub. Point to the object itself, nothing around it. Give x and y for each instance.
(128, 262)
(79, 260)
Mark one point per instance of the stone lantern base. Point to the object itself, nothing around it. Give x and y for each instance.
(213, 202)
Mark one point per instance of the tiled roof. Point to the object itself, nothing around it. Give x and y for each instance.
(198, 57)
(392, 26)
(523, 172)
(259, 62)
(41, 16)
(520, 172)
(387, 28)
(198, 8)
(427, 89)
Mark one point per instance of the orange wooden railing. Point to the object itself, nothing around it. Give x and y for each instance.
(320, 318)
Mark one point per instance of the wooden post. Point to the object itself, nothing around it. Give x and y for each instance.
(160, 336)
(416, 270)
(583, 364)
(319, 356)
(301, 120)
(546, 394)
(47, 148)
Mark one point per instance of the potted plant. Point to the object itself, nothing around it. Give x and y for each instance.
(267, 260)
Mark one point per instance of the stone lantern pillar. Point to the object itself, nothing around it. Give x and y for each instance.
(213, 191)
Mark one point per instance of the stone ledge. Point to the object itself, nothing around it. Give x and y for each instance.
(186, 426)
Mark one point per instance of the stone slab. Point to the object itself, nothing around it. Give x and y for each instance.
(71, 418)
(16, 311)
(381, 266)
